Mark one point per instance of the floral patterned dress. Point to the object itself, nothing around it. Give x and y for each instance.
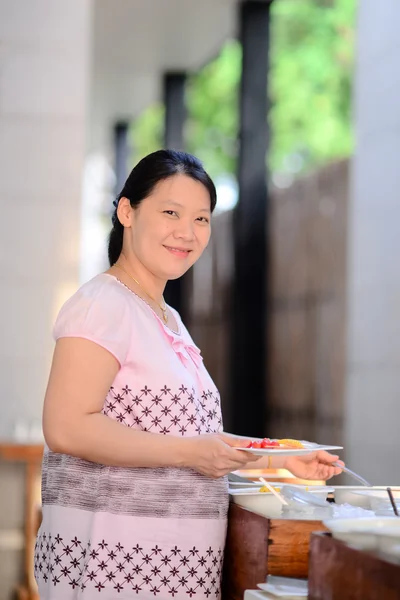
(113, 532)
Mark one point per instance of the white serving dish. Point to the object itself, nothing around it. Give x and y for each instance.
(361, 533)
(257, 484)
(388, 542)
(379, 499)
(266, 503)
(348, 494)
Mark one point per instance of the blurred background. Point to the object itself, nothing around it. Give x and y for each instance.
(292, 107)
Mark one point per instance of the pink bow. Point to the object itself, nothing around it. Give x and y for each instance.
(184, 350)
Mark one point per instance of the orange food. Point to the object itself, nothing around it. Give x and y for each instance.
(291, 443)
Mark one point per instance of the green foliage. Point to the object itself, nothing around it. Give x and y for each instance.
(213, 111)
(312, 48)
(147, 131)
(310, 89)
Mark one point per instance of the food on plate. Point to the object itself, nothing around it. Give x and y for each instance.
(265, 489)
(267, 443)
(291, 443)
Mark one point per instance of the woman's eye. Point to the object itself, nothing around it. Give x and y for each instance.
(170, 212)
(203, 220)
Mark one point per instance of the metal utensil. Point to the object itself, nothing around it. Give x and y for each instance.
(355, 475)
(392, 502)
(238, 478)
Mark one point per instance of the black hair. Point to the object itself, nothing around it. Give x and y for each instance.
(152, 169)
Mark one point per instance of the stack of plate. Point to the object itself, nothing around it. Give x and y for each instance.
(279, 587)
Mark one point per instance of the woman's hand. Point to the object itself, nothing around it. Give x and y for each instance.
(214, 455)
(317, 465)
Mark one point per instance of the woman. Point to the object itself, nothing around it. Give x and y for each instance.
(128, 512)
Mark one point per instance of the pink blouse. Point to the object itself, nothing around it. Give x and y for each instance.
(111, 532)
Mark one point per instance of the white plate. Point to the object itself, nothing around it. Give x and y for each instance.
(285, 587)
(309, 447)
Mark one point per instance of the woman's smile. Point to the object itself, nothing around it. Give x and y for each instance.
(178, 252)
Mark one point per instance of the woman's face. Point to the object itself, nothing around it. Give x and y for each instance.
(170, 229)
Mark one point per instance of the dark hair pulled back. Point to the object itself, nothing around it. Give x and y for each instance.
(152, 169)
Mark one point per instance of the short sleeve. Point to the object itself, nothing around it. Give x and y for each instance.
(98, 312)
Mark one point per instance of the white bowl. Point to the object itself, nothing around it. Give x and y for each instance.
(348, 494)
(361, 533)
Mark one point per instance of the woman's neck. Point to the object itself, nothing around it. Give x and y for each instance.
(144, 279)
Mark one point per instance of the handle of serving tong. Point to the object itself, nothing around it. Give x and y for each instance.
(350, 472)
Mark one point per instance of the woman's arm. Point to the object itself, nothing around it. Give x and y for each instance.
(81, 375)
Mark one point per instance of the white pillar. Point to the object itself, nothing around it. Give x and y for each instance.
(373, 380)
(44, 81)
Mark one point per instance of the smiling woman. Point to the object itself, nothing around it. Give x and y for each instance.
(161, 224)
(134, 473)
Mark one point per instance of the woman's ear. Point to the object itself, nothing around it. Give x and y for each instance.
(124, 212)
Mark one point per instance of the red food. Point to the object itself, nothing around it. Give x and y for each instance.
(265, 443)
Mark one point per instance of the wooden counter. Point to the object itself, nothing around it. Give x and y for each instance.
(257, 546)
(338, 572)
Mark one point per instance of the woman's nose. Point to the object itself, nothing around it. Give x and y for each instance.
(184, 230)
